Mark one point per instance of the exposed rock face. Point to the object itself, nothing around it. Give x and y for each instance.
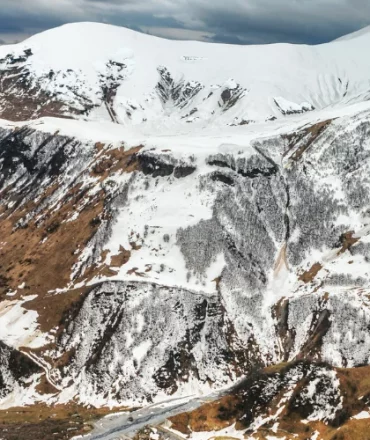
(163, 166)
(24, 96)
(160, 334)
(17, 372)
(177, 93)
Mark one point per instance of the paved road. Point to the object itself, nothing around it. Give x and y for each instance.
(126, 425)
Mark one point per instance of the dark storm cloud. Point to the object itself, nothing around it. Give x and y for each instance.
(309, 21)
(233, 21)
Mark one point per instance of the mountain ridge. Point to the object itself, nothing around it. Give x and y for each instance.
(101, 72)
(144, 261)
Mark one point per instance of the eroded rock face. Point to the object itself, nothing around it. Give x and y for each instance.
(164, 165)
(166, 338)
(17, 372)
(178, 93)
(25, 96)
(63, 93)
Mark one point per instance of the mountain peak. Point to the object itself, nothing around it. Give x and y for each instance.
(175, 216)
(110, 73)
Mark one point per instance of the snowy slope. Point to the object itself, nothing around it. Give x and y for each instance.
(189, 258)
(143, 260)
(105, 72)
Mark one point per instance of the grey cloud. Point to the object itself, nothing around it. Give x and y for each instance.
(227, 39)
(234, 21)
(284, 20)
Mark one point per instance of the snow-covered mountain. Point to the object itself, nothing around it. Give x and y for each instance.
(190, 213)
(101, 72)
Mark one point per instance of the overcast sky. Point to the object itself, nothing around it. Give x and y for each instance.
(229, 21)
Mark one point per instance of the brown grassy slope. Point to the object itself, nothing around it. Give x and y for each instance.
(41, 422)
(231, 409)
(42, 254)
